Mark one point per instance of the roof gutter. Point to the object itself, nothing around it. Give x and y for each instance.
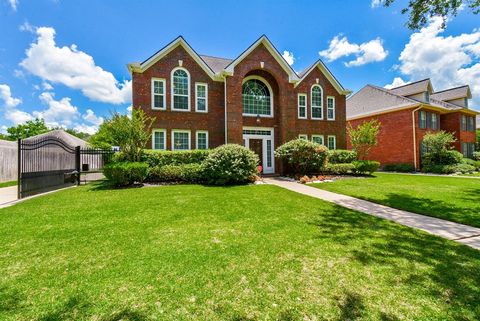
(415, 136)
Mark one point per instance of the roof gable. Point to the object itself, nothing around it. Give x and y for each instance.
(179, 41)
(453, 93)
(292, 75)
(413, 88)
(326, 72)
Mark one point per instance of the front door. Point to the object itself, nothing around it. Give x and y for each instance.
(256, 145)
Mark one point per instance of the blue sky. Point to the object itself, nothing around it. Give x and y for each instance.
(66, 60)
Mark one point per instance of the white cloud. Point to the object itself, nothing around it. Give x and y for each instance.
(448, 60)
(376, 3)
(6, 95)
(365, 53)
(89, 129)
(288, 56)
(10, 103)
(59, 112)
(92, 118)
(3, 129)
(397, 81)
(13, 4)
(74, 69)
(47, 86)
(26, 26)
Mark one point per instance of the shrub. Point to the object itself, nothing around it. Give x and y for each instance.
(189, 173)
(448, 169)
(364, 137)
(302, 156)
(126, 173)
(339, 169)
(365, 166)
(400, 167)
(230, 164)
(341, 156)
(444, 157)
(156, 158)
(476, 156)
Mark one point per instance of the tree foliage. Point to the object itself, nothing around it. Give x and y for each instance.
(420, 11)
(28, 129)
(364, 137)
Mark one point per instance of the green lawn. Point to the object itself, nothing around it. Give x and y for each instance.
(233, 253)
(451, 198)
(7, 184)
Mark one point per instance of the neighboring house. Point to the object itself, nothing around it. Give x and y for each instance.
(256, 99)
(407, 113)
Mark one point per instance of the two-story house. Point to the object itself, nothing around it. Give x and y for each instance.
(407, 113)
(256, 99)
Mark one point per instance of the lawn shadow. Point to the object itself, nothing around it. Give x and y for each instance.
(126, 315)
(74, 308)
(351, 307)
(10, 299)
(454, 269)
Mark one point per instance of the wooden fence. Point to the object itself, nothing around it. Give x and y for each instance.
(8, 161)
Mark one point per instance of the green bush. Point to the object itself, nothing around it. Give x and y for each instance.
(449, 169)
(445, 157)
(189, 173)
(302, 156)
(126, 173)
(476, 156)
(365, 166)
(339, 169)
(230, 164)
(399, 167)
(156, 158)
(341, 156)
(477, 165)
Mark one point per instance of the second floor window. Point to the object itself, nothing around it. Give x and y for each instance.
(201, 96)
(302, 106)
(317, 102)
(331, 108)
(256, 98)
(158, 93)
(471, 124)
(422, 119)
(464, 123)
(434, 121)
(180, 90)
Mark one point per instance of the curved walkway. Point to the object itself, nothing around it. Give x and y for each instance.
(465, 234)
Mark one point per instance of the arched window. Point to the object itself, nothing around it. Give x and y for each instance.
(180, 89)
(256, 98)
(316, 98)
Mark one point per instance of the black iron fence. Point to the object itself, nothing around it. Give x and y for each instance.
(48, 163)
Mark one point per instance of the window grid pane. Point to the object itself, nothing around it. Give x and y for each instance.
(256, 98)
(180, 102)
(269, 153)
(317, 139)
(180, 90)
(256, 132)
(202, 141)
(201, 104)
(302, 106)
(159, 140)
(181, 140)
(330, 108)
(331, 142)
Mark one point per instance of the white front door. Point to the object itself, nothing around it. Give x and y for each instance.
(252, 136)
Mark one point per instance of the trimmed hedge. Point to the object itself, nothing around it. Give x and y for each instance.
(126, 173)
(230, 164)
(399, 167)
(341, 156)
(449, 169)
(189, 173)
(339, 169)
(365, 166)
(302, 156)
(164, 157)
(447, 157)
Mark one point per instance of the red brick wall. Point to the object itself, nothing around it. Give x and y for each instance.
(452, 123)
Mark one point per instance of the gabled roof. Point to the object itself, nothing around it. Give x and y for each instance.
(179, 41)
(413, 88)
(453, 93)
(326, 72)
(263, 40)
(217, 64)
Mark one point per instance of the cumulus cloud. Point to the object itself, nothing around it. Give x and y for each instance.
(397, 81)
(376, 3)
(26, 26)
(288, 56)
(59, 112)
(367, 52)
(73, 68)
(13, 4)
(448, 60)
(10, 103)
(92, 118)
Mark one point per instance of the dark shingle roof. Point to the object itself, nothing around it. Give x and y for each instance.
(412, 88)
(217, 64)
(453, 93)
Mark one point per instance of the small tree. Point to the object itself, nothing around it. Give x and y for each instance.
(364, 137)
(438, 149)
(130, 134)
(27, 129)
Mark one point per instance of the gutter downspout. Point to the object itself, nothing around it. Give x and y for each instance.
(225, 103)
(415, 137)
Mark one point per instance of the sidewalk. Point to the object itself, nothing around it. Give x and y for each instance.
(465, 234)
(8, 195)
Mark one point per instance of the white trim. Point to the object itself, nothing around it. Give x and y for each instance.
(334, 141)
(172, 106)
(181, 131)
(298, 106)
(311, 102)
(196, 137)
(152, 97)
(334, 107)
(319, 136)
(158, 130)
(264, 138)
(197, 84)
(271, 96)
(330, 77)
(303, 136)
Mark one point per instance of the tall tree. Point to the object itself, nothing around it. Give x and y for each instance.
(28, 129)
(420, 11)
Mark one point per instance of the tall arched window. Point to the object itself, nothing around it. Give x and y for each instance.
(316, 98)
(180, 89)
(256, 98)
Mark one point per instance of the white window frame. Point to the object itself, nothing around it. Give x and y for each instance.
(320, 136)
(271, 97)
(334, 141)
(303, 136)
(162, 80)
(311, 104)
(182, 131)
(196, 137)
(172, 96)
(157, 130)
(197, 84)
(298, 106)
(333, 108)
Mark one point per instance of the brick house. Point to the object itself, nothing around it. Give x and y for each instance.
(256, 99)
(407, 113)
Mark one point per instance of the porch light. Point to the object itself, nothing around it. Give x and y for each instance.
(258, 119)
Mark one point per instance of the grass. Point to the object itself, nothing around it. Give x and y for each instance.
(7, 184)
(234, 253)
(451, 198)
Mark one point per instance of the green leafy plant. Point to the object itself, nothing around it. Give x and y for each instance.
(189, 173)
(339, 169)
(302, 156)
(28, 129)
(341, 156)
(365, 166)
(126, 173)
(476, 156)
(399, 167)
(364, 137)
(230, 164)
(160, 158)
(438, 150)
(449, 169)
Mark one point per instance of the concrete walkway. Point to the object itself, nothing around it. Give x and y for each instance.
(452, 231)
(8, 195)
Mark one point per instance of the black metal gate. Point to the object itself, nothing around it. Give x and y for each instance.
(48, 163)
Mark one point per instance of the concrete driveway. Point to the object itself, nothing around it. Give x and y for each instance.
(7, 195)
